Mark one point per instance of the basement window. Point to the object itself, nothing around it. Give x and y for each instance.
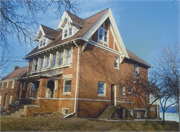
(65, 111)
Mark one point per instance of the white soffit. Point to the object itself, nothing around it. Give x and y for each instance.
(64, 16)
(95, 27)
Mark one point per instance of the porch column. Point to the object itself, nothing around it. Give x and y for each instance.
(42, 87)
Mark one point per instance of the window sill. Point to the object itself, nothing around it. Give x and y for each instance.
(123, 97)
(116, 68)
(101, 96)
(53, 68)
(66, 94)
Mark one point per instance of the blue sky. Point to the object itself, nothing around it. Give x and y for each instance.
(145, 26)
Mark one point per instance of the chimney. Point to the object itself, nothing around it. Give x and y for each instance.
(16, 67)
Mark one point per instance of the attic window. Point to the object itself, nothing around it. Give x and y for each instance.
(43, 42)
(67, 32)
(103, 34)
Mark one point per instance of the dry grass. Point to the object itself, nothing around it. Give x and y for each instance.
(77, 124)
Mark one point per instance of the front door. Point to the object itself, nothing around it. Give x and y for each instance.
(112, 94)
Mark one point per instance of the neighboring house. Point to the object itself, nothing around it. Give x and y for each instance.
(78, 69)
(10, 85)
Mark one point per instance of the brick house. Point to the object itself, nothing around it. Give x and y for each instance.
(10, 86)
(78, 68)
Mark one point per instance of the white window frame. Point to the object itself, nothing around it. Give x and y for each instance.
(54, 58)
(65, 109)
(42, 42)
(103, 35)
(104, 93)
(67, 28)
(117, 62)
(42, 63)
(123, 91)
(12, 87)
(64, 86)
(62, 51)
(136, 70)
(48, 61)
(10, 99)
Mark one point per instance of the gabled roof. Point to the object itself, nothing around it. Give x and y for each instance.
(86, 23)
(49, 31)
(75, 18)
(16, 73)
(137, 59)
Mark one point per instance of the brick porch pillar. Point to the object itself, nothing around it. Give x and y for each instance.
(42, 89)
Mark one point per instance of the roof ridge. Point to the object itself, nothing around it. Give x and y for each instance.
(49, 27)
(74, 14)
(96, 13)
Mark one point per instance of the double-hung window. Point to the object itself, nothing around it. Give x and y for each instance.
(70, 31)
(136, 70)
(54, 59)
(68, 56)
(116, 62)
(101, 88)
(61, 55)
(123, 91)
(103, 34)
(36, 64)
(42, 60)
(44, 42)
(47, 65)
(65, 33)
(67, 86)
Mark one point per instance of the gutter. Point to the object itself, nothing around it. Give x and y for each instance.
(75, 100)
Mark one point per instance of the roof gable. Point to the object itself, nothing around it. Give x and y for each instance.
(99, 22)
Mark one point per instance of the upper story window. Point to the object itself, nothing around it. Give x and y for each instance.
(47, 65)
(136, 70)
(42, 60)
(103, 34)
(43, 42)
(61, 56)
(68, 55)
(12, 84)
(67, 32)
(54, 59)
(7, 84)
(116, 62)
(36, 64)
(101, 88)
(2, 84)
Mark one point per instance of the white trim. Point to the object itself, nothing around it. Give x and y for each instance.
(69, 76)
(94, 28)
(65, 109)
(115, 100)
(103, 47)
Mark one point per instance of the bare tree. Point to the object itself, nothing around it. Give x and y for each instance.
(142, 89)
(19, 18)
(166, 73)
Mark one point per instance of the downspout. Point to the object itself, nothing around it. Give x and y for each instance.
(75, 100)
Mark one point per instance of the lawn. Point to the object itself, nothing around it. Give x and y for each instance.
(77, 124)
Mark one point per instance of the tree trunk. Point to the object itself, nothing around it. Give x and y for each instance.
(163, 118)
(147, 113)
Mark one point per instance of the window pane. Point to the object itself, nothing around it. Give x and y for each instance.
(70, 31)
(36, 64)
(47, 61)
(44, 42)
(100, 31)
(65, 33)
(115, 62)
(122, 91)
(42, 60)
(68, 56)
(67, 86)
(105, 36)
(54, 60)
(101, 89)
(61, 57)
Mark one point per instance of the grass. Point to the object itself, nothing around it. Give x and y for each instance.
(77, 124)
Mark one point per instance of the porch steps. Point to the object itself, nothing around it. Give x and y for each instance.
(108, 112)
(15, 112)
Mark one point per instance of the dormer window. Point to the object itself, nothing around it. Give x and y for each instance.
(70, 31)
(67, 32)
(43, 42)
